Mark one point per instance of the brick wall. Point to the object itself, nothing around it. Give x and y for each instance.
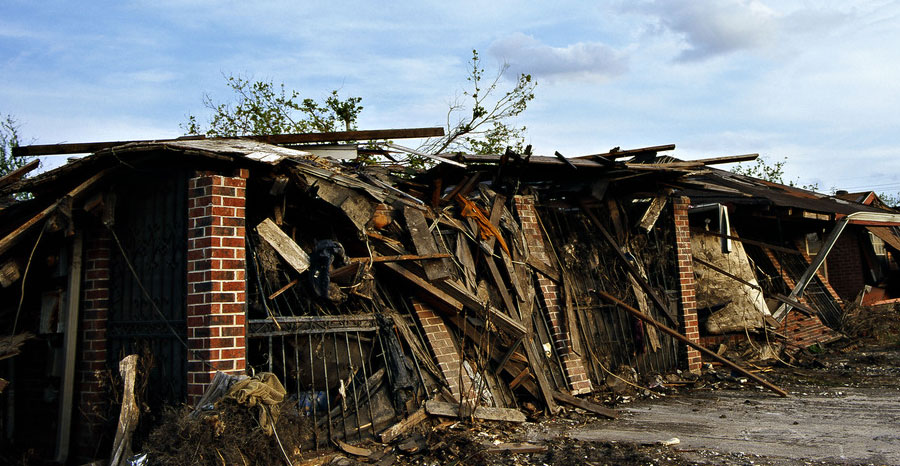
(690, 324)
(846, 270)
(550, 297)
(439, 340)
(91, 397)
(216, 300)
(799, 329)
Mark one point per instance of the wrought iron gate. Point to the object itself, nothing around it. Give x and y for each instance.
(151, 223)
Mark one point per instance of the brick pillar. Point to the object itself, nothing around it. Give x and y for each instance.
(216, 300)
(441, 344)
(550, 298)
(91, 409)
(686, 282)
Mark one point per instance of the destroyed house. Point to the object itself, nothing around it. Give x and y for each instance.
(785, 248)
(376, 294)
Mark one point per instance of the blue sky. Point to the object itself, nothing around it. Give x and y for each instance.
(817, 82)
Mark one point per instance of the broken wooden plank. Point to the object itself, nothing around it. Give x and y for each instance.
(430, 293)
(691, 343)
(485, 310)
(284, 245)
(399, 428)
(648, 220)
(409, 257)
(519, 378)
(585, 405)
(440, 408)
(534, 361)
(565, 160)
(18, 173)
(380, 237)
(517, 448)
(128, 416)
(727, 159)
(284, 288)
(543, 268)
(424, 244)
(351, 450)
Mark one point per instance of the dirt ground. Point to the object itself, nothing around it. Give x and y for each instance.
(844, 409)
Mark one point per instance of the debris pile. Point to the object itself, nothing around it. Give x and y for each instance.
(379, 297)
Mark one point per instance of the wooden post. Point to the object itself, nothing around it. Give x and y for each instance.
(73, 301)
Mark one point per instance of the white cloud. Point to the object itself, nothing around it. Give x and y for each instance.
(525, 54)
(714, 27)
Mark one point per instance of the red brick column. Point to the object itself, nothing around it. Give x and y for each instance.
(686, 280)
(441, 344)
(216, 300)
(550, 297)
(92, 399)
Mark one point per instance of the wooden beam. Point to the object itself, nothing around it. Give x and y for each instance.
(399, 428)
(70, 339)
(648, 220)
(687, 341)
(565, 160)
(284, 245)
(516, 448)
(501, 320)
(297, 138)
(430, 293)
(13, 237)
(424, 243)
(440, 408)
(18, 173)
(586, 405)
(727, 159)
(630, 152)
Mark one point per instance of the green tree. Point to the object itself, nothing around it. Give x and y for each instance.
(481, 121)
(9, 138)
(770, 171)
(262, 107)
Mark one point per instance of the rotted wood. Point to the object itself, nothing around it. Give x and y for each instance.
(631, 268)
(18, 173)
(640, 315)
(10, 272)
(425, 245)
(128, 416)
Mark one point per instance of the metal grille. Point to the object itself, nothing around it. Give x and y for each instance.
(151, 222)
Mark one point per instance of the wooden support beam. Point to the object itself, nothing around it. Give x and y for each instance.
(70, 339)
(284, 245)
(689, 342)
(615, 154)
(586, 405)
(565, 160)
(297, 138)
